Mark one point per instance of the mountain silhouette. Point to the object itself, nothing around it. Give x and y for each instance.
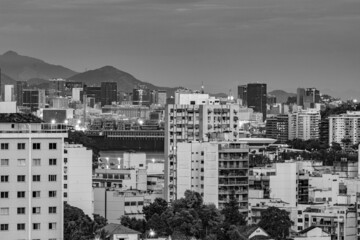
(23, 68)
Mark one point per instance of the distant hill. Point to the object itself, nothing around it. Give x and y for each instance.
(23, 68)
(281, 96)
(5, 79)
(125, 81)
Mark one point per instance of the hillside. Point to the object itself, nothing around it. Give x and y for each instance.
(5, 79)
(23, 68)
(125, 81)
(281, 96)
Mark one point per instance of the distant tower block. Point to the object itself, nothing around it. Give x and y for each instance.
(9, 93)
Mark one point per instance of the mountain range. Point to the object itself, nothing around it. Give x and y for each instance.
(37, 73)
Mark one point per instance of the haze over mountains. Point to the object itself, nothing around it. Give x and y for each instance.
(37, 73)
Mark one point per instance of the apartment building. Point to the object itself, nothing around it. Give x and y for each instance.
(345, 126)
(217, 170)
(195, 117)
(31, 172)
(278, 128)
(304, 124)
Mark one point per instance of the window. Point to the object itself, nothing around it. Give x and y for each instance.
(52, 146)
(140, 203)
(36, 178)
(4, 227)
(21, 146)
(21, 226)
(4, 162)
(36, 210)
(36, 162)
(127, 203)
(36, 194)
(21, 194)
(52, 209)
(21, 162)
(133, 203)
(21, 178)
(4, 146)
(65, 186)
(65, 177)
(52, 226)
(36, 226)
(4, 195)
(4, 211)
(52, 178)
(36, 146)
(20, 210)
(52, 161)
(4, 178)
(65, 194)
(52, 193)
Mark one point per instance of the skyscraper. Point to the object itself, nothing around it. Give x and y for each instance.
(108, 93)
(242, 94)
(307, 98)
(20, 86)
(257, 97)
(34, 99)
(142, 95)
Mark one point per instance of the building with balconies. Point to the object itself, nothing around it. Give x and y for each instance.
(217, 170)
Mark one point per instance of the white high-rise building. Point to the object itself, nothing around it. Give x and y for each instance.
(31, 172)
(304, 124)
(345, 126)
(217, 170)
(196, 117)
(8, 93)
(78, 177)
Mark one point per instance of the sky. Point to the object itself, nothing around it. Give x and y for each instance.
(223, 43)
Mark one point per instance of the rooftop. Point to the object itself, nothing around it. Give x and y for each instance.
(113, 228)
(19, 118)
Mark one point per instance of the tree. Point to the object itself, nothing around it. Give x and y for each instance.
(211, 218)
(78, 225)
(346, 142)
(335, 146)
(276, 222)
(133, 223)
(233, 233)
(157, 207)
(232, 214)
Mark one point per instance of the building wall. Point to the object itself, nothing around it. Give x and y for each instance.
(78, 172)
(30, 169)
(283, 185)
(194, 123)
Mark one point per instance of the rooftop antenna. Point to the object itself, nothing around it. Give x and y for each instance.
(202, 87)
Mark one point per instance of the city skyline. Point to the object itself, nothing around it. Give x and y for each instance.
(286, 44)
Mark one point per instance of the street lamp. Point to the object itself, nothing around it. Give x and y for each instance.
(151, 233)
